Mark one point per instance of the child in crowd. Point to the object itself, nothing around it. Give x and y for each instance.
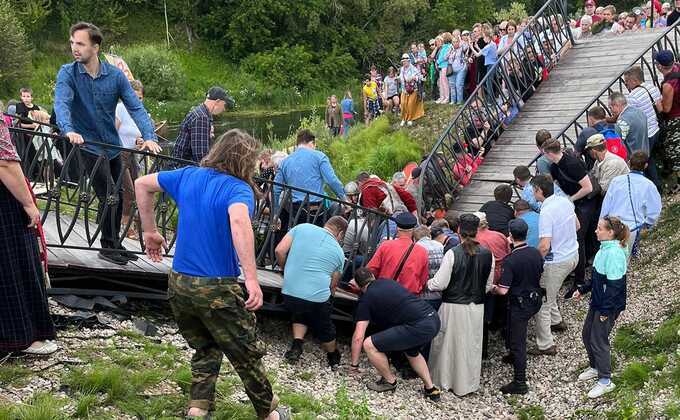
(333, 116)
(608, 300)
(371, 104)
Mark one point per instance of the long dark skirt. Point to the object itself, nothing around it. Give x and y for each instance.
(24, 314)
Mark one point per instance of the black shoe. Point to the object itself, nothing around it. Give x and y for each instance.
(382, 385)
(130, 256)
(433, 394)
(333, 359)
(515, 387)
(508, 358)
(550, 351)
(295, 352)
(113, 257)
(562, 326)
(570, 292)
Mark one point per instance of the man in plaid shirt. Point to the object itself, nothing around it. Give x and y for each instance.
(195, 132)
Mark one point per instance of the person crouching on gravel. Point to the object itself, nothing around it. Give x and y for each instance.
(608, 300)
(407, 323)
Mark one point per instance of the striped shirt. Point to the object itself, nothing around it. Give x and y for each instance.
(639, 98)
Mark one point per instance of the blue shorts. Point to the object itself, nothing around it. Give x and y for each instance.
(409, 338)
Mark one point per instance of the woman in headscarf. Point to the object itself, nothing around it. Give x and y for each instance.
(411, 102)
(25, 322)
(464, 278)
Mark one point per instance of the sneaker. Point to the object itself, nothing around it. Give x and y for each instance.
(588, 374)
(550, 351)
(409, 124)
(382, 385)
(130, 256)
(402, 123)
(599, 389)
(562, 326)
(433, 394)
(284, 413)
(333, 360)
(295, 352)
(515, 387)
(42, 348)
(113, 257)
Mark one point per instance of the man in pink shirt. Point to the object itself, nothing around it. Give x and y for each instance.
(401, 259)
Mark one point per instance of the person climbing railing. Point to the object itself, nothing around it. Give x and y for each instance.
(493, 105)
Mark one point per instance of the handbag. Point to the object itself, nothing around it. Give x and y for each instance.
(410, 87)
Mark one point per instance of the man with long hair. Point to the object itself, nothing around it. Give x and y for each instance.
(214, 236)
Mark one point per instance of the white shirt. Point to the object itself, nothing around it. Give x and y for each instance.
(128, 131)
(557, 221)
(639, 98)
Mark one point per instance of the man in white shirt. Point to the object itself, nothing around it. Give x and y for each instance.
(647, 98)
(557, 226)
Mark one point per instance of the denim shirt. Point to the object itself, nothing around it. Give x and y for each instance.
(87, 106)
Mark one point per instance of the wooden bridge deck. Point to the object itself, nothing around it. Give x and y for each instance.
(75, 259)
(581, 73)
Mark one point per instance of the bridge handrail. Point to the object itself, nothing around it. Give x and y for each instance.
(519, 64)
(65, 186)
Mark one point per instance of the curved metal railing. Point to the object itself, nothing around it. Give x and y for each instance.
(487, 112)
(62, 177)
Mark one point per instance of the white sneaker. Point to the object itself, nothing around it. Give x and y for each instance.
(410, 123)
(402, 123)
(599, 389)
(588, 374)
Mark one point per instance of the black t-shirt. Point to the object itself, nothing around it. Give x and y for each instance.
(673, 17)
(522, 271)
(498, 214)
(23, 110)
(568, 172)
(388, 304)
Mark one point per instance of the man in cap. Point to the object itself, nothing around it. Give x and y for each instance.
(312, 262)
(607, 164)
(406, 322)
(522, 271)
(631, 123)
(401, 259)
(195, 132)
(590, 7)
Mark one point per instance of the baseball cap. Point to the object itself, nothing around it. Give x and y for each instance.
(217, 93)
(404, 56)
(590, 3)
(664, 57)
(637, 11)
(465, 32)
(594, 140)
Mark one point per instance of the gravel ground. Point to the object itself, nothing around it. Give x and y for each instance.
(552, 380)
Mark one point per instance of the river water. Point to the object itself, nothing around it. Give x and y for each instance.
(261, 126)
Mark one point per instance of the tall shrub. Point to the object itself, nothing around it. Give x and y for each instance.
(158, 69)
(15, 50)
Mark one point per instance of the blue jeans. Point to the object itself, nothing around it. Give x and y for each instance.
(345, 126)
(489, 81)
(456, 86)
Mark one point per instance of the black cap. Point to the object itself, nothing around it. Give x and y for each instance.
(406, 221)
(416, 172)
(217, 93)
(518, 228)
(435, 232)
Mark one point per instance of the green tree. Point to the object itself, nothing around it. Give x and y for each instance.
(14, 49)
(448, 15)
(517, 11)
(33, 14)
(109, 16)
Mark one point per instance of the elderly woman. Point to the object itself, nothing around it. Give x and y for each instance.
(411, 102)
(25, 323)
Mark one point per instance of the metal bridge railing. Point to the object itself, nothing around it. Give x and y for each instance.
(63, 182)
(480, 121)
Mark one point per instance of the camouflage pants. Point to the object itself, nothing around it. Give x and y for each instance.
(211, 316)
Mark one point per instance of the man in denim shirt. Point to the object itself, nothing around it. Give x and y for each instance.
(307, 169)
(86, 95)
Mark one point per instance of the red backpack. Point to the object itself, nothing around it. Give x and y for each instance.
(614, 143)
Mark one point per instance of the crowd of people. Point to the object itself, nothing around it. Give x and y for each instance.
(604, 20)
(434, 289)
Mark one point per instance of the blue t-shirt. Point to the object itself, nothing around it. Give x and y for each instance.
(490, 53)
(531, 217)
(204, 245)
(314, 255)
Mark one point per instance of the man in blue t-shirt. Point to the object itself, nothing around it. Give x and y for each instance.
(214, 235)
(312, 260)
(522, 211)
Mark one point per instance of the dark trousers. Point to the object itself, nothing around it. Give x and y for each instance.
(587, 212)
(651, 171)
(596, 340)
(519, 314)
(436, 304)
(110, 194)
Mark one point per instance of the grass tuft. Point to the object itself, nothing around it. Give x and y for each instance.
(12, 373)
(531, 412)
